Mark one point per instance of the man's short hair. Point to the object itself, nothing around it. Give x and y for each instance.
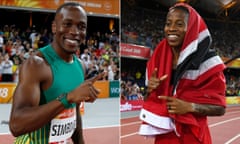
(67, 5)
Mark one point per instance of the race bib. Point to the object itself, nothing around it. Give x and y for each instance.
(62, 127)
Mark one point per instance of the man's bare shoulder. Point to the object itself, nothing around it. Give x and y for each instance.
(35, 71)
(34, 61)
(34, 66)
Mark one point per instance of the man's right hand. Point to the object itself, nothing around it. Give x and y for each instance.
(86, 91)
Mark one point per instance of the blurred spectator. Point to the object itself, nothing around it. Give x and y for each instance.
(7, 73)
(1, 41)
(44, 40)
(15, 68)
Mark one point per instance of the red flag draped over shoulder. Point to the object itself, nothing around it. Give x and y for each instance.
(199, 79)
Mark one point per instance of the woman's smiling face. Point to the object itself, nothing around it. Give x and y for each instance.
(176, 27)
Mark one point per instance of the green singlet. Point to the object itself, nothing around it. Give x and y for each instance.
(66, 77)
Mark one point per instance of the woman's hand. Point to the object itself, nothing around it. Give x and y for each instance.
(177, 106)
(154, 81)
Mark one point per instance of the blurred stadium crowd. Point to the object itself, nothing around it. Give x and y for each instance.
(100, 52)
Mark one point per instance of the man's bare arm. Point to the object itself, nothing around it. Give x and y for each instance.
(26, 114)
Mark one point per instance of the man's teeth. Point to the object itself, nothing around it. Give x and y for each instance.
(71, 41)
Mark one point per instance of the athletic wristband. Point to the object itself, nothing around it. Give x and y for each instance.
(63, 99)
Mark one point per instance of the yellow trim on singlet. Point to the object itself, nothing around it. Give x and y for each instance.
(36, 137)
(22, 140)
